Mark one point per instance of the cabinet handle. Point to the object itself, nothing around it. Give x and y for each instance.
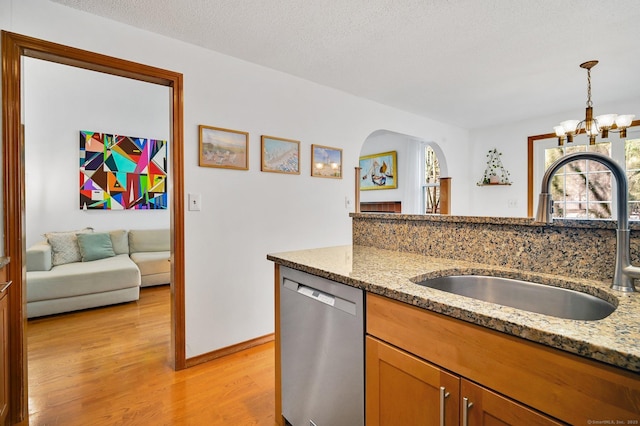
(443, 395)
(466, 404)
(5, 286)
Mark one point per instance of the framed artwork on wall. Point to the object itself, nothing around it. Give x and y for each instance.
(379, 171)
(326, 162)
(122, 172)
(280, 155)
(223, 148)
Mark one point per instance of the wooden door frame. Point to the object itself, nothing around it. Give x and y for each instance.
(14, 47)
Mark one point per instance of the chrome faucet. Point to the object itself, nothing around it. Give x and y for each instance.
(624, 272)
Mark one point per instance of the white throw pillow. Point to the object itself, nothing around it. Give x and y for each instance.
(64, 246)
(120, 241)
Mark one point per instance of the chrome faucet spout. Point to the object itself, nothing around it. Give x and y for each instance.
(624, 272)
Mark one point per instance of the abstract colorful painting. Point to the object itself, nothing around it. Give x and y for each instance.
(122, 172)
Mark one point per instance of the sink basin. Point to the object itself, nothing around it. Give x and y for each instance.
(525, 295)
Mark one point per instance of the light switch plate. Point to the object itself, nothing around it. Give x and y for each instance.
(195, 202)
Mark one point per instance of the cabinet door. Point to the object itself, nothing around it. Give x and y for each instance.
(487, 408)
(404, 390)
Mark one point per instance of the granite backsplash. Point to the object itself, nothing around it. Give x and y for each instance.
(582, 249)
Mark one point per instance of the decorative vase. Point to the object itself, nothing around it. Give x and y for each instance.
(493, 179)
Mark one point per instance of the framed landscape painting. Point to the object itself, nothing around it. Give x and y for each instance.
(379, 171)
(224, 148)
(326, 162)
(280, 155)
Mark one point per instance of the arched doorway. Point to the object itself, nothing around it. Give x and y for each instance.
(411, 191)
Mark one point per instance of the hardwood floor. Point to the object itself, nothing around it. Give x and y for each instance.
(110, 366)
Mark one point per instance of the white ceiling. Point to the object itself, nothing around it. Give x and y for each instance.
(472, 63)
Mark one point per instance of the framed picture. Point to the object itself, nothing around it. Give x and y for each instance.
(280, 155)
(224, 148)
(122, 172)
(379, 171)
(326, 162)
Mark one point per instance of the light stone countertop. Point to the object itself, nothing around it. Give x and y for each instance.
(614, 340)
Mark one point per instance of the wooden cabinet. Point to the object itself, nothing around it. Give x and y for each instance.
(507, 379)
(482, 407)
(4, 350)
(404, 389)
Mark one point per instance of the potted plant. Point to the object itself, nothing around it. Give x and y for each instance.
(495, 173)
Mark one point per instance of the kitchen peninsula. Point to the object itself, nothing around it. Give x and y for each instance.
(574, 371)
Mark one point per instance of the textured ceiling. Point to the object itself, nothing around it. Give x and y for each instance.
(472, 63)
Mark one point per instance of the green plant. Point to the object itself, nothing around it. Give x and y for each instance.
(495, 168)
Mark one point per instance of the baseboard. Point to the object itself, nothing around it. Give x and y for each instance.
(219, 353)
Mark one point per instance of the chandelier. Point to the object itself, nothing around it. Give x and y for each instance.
(592, 126)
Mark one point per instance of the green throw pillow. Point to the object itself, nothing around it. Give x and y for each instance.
(95, 246)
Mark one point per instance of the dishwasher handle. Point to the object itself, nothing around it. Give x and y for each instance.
(321, 296)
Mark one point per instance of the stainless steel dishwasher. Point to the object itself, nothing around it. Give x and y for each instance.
(322, 351)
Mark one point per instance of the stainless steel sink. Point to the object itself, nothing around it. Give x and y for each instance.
(525, 295)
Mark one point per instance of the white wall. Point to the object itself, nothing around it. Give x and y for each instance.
(58, 102)
(511, 140)
(246, 214)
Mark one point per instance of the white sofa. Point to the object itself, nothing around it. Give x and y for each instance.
(133, 259)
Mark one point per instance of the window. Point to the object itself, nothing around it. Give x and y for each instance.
(431, 183)
(632, 163)
(585, 189)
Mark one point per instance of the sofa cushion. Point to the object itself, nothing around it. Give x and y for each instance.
(95, 246)
(64, 246)
(149, 240)
(39, 257)
(152, 262)
(120, 241)
(74, 279)
(83, 301)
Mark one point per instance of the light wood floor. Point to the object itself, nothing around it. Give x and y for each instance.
(110, 366)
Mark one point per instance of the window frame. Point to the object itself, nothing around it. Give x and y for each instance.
(614, 150)
(535, 171)
(423, 171)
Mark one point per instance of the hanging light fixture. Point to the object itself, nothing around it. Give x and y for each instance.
(590, 125)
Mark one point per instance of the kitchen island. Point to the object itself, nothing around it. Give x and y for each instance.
(609, 345)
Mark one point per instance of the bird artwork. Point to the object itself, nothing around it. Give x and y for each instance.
(378, 173)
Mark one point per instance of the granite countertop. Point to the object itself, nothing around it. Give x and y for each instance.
(613, 340)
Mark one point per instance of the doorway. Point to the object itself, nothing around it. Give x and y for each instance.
(14, 48)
